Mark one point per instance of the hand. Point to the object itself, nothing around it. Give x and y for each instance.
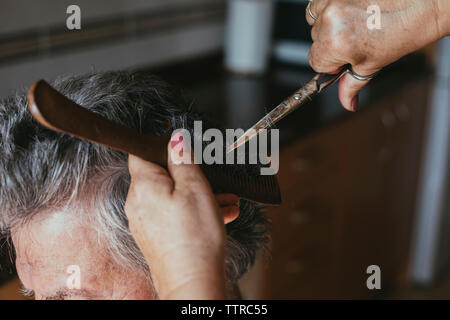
(178, 225)
(341, 36)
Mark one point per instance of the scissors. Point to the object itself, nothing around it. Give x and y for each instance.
(300, 97)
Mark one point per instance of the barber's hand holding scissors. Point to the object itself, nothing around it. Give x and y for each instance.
(341, 36)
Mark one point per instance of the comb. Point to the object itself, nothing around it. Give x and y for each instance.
(56, 112)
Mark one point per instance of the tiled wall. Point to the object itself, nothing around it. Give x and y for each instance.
(35, 43)
(19, 15)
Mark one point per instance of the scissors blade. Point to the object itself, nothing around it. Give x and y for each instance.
(299, 98)
(266, 122)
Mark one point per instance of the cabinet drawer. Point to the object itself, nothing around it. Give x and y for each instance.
(307, 223)
(302, 245)
(305, 218)
(302, 274)
(302, 163)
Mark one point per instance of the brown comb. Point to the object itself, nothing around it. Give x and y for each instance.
(56, 112)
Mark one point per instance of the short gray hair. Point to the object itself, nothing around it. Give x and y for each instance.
(42, 170)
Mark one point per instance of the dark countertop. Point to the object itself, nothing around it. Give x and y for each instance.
(238, 101)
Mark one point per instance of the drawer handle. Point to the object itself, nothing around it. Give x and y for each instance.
(301, 165)
(299, 217)
(294, 267)
(388, 119)
(402, 112)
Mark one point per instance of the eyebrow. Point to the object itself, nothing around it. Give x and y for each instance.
(67, 293)
(62, 293)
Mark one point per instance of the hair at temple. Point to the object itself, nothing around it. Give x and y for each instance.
(41, 170)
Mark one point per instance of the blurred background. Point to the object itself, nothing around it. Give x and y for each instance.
(359, 189)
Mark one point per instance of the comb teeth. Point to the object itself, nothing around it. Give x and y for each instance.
(263, 189)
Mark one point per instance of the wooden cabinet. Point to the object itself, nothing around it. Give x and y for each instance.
(348, 202)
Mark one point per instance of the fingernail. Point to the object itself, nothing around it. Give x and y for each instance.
(355, 103)
(175, 140)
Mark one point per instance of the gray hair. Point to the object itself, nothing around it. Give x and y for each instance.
(42, 170)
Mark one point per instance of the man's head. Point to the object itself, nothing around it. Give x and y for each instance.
(62, 199)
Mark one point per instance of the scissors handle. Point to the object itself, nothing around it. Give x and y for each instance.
(325, 80)
(303, 95)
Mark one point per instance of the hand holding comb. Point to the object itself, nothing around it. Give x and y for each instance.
(56, 112)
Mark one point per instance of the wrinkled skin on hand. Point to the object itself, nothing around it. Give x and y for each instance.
(341, 36)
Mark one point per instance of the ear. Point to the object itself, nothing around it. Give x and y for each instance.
(229, 206)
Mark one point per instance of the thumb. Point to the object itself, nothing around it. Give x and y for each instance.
(349, 89)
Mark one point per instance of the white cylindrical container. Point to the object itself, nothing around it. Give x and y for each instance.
(248, 35)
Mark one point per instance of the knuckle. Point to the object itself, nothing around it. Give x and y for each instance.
(194, 182)
(314, 61)
(314, 34)
(332, 15)
(184, 193)
(336, 44)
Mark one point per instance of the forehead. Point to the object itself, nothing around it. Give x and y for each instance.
(53, 235)
(49, 244)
